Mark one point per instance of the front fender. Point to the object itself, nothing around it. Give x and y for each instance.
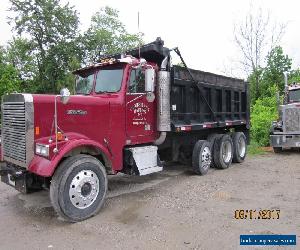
(46, 167)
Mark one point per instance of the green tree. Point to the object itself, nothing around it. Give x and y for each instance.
(294, 76)
(271, 74)
(255, 89)
(19, 54)
(51, 31)
(9, 76)
(277, 63)
(107, 35)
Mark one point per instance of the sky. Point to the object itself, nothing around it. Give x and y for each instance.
(203, 30)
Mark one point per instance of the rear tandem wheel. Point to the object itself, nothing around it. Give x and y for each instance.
(223, 151)
(201, 159)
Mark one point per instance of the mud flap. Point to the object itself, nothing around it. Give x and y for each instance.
(146, 159)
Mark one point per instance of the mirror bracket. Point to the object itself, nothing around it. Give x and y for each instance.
(65, 95)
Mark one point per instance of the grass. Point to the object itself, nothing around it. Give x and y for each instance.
(255, 149)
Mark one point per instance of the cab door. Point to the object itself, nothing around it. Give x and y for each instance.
(140, 108)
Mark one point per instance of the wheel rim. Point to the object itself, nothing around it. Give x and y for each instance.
(226, 151)
(206, 158)
(84, 189)
(242, 147)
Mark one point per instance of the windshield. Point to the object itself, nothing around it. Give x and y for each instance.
(84, 84)
(109, 80)
(294, 95)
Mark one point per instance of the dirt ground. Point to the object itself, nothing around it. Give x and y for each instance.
(173, 209)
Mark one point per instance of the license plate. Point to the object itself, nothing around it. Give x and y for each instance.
(13, 183)
(297, 144)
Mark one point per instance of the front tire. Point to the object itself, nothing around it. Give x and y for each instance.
(78, 188)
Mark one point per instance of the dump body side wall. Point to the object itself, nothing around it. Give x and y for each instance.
(227, 97)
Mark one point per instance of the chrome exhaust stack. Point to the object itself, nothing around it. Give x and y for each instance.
(285, 79)
(163, 102)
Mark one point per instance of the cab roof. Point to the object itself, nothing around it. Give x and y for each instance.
(152, 52)
(294, 86)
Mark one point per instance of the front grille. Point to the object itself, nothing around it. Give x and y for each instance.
(14, 131)
(292, 119)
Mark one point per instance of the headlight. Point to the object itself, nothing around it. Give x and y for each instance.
(279, 124)
(42, 150)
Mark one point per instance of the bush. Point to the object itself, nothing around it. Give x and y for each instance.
(255, 149)
(263, 112)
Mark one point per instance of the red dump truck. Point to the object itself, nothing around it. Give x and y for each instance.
(130, 113)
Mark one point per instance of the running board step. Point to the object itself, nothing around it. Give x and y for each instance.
(146, 159)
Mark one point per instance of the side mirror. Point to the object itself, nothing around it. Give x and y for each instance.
(65, 95)
(149, 80)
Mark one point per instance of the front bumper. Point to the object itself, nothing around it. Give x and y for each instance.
(15, 177)
(283, 140)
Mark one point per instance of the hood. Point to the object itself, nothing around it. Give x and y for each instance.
(85, 115)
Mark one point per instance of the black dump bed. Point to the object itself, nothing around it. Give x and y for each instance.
(214, 101)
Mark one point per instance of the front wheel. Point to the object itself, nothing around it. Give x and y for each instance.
(78, 188)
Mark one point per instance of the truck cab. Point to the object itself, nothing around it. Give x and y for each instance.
(286, 131)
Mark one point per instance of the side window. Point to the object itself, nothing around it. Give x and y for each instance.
(136, 81)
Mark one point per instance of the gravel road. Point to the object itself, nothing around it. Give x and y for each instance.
(174, 209)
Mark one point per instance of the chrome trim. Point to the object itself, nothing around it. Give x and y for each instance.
(286, 78)
(291, 119)
(164, 63)
(27, 101)
(136, 93)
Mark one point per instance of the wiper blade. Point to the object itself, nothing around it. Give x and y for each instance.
(105, 92)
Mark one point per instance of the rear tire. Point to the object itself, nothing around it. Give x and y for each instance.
(78, 188)
(239, 147)
(223, 151)
(211, 139)
(277, 150)
(201, 158)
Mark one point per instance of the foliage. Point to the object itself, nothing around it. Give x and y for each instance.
(47, 44)
(9, 76)
(255, 76)
(254, 148)
(277, 63)
(50, 31)
(107, 35)
(19, 54)
(263, 112)
(272, 74)
(294, 76)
